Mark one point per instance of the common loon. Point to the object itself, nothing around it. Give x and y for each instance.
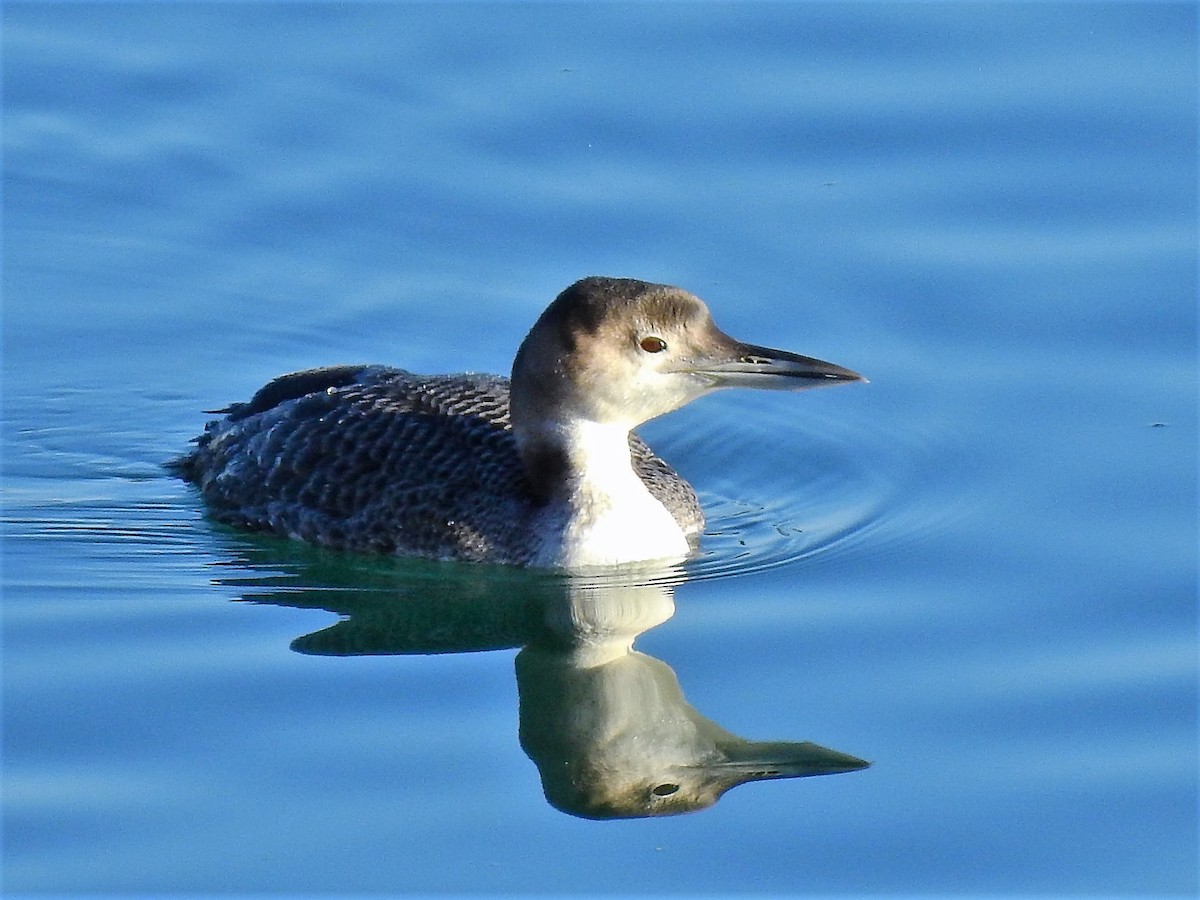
(538, 470)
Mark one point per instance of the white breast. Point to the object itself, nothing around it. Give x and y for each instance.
(605, 516)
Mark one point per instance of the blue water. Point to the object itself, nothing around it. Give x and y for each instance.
(978, 572)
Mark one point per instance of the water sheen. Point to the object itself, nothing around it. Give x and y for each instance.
(977, 571)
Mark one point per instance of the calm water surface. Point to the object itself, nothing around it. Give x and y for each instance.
(977, 572)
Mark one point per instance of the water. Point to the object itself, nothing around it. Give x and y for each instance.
(978, 572)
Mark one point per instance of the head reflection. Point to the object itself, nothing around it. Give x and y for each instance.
(608, 726)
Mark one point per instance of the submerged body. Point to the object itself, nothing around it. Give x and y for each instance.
(538, 470)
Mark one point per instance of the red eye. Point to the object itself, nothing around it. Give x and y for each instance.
(653, 344)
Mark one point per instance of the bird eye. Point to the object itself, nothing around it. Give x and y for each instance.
(664, 790)
(653, 344)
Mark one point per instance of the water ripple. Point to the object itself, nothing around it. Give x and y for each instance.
(854, 484)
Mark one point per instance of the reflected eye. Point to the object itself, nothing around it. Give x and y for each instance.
(653, 344)
(664, 790)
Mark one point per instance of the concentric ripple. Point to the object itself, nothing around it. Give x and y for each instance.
(779, 489)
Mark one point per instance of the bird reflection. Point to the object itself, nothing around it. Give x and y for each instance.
(606, 725)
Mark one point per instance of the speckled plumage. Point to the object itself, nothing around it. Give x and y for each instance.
(378, 459)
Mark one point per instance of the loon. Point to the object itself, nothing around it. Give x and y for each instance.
(539, 470)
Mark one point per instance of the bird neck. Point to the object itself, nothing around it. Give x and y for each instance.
(599, 512)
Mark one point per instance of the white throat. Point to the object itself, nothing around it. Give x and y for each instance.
(604, 515)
